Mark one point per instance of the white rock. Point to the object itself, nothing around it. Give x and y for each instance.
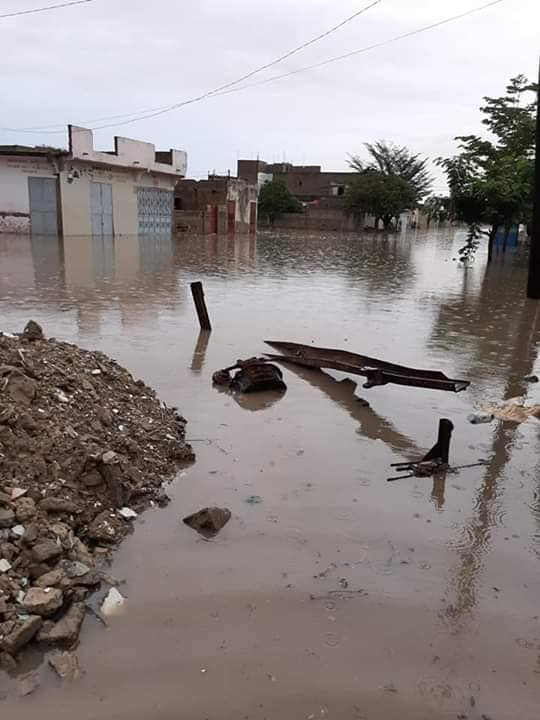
(127, 513)
(96, 372)
(113, 603)
(5, 565)
(16, 493)
(18, 530)
(62, 396)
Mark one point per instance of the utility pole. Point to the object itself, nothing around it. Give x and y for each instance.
(533, 286)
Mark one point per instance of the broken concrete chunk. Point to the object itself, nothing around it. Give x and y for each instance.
(208, 521)
(5, 565)
(50, 579)
(102, 528)
(25, 509)
(43, 601)
(21, 389)
(127, 513)
(46, 551)
(67, 629)
(65, 665)
(110, 458)
(16, 493)
(7, 518)
(113, 603)
(59, 505)
(21, 635)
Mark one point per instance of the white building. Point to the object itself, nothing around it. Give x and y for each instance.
(81, 191)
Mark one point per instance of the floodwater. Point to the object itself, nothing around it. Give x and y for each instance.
(338, 595)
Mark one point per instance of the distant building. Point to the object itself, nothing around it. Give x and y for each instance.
(321, 193)
(81, 191)
(219, 205)
(305, 182)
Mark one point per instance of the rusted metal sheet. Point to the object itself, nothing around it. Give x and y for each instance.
(378, 372)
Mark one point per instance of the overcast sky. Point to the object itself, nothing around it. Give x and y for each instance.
(109, 57)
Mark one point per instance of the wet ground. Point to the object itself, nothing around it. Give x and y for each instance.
(338, 595)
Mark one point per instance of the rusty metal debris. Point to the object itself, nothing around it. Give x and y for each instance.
(254, 375)
(434, 461)
(377, 372)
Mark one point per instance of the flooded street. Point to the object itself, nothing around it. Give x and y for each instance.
(338, 595)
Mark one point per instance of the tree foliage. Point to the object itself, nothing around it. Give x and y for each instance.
(378, 194)
(390, 159)
(491, 180)
(276, 199)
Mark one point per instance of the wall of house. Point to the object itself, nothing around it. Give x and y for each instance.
(242, 193)
(75, 182)
(127, 152)
(316, 218)
(14, 194)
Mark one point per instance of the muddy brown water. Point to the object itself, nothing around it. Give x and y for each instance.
(339, 595)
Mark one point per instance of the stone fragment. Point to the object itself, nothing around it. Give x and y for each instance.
(208, 521)
(46, 551)
(65, 665)
(66, 630)
(25, 509)
(50, 579)
(43, 601)
(21, 635)
(59, 505)
(7, 518)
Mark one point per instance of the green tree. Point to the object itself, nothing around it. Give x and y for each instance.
(491, 180)
(390, 159)
(276, 199)
(384, 196)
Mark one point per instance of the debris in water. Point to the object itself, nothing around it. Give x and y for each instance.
(513, 412)
(208, 521)
(254, 500)
(254, 375)
(480, 418)
(113, 603)
(127, 513)
(532, 378)
(65, 665)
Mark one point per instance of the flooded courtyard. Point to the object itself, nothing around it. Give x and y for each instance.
(336, 595)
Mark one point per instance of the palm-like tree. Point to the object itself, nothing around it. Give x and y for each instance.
(390, 159)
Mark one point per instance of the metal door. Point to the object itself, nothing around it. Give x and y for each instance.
(155, 209)
(101, 208)
(43, 205)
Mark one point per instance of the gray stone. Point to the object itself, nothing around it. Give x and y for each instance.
(7, 663)
(208, 521)
(33, 331)
(43, 601)
(46, 551)
(75, 569)
(7, 518)
(21, 635)
(65, 665)
(59, 505)
(92, 478)
(25, 509)
(66, 630)
(50, 579)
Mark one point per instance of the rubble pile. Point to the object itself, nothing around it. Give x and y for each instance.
(84, 447)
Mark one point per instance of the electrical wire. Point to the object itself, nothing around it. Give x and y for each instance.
(16, 13)
(227, 85)
(227, 89)
(323, 63)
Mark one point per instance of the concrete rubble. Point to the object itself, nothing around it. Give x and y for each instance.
(84, 448)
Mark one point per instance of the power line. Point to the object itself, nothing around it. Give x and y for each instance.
(323, 63)
(45, 9)
(167, 108)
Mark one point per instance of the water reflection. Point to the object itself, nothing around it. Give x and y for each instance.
(199, 352)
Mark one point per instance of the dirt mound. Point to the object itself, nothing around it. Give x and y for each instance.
(84, 447)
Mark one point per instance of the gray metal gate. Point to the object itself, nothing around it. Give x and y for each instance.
(155, 209)
(43, 205)
(101, 207)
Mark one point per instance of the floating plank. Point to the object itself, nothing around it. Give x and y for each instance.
(378, 372)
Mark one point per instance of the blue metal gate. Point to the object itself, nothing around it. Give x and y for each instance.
(101, 207)
(154, 209)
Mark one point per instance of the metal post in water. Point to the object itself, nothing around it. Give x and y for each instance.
(200, 305)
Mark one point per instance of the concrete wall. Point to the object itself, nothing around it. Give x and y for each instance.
(243, 194)
(315, 218)
(126, 153)
(75, 182)
(14, 196)
(199, 196)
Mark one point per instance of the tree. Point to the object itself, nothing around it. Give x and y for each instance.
(491, 181)
(390, 159)
(276, 199)
(384, 196)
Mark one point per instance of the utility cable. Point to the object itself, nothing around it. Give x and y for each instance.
(323, 63)
(168, 108)
(16, 13)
